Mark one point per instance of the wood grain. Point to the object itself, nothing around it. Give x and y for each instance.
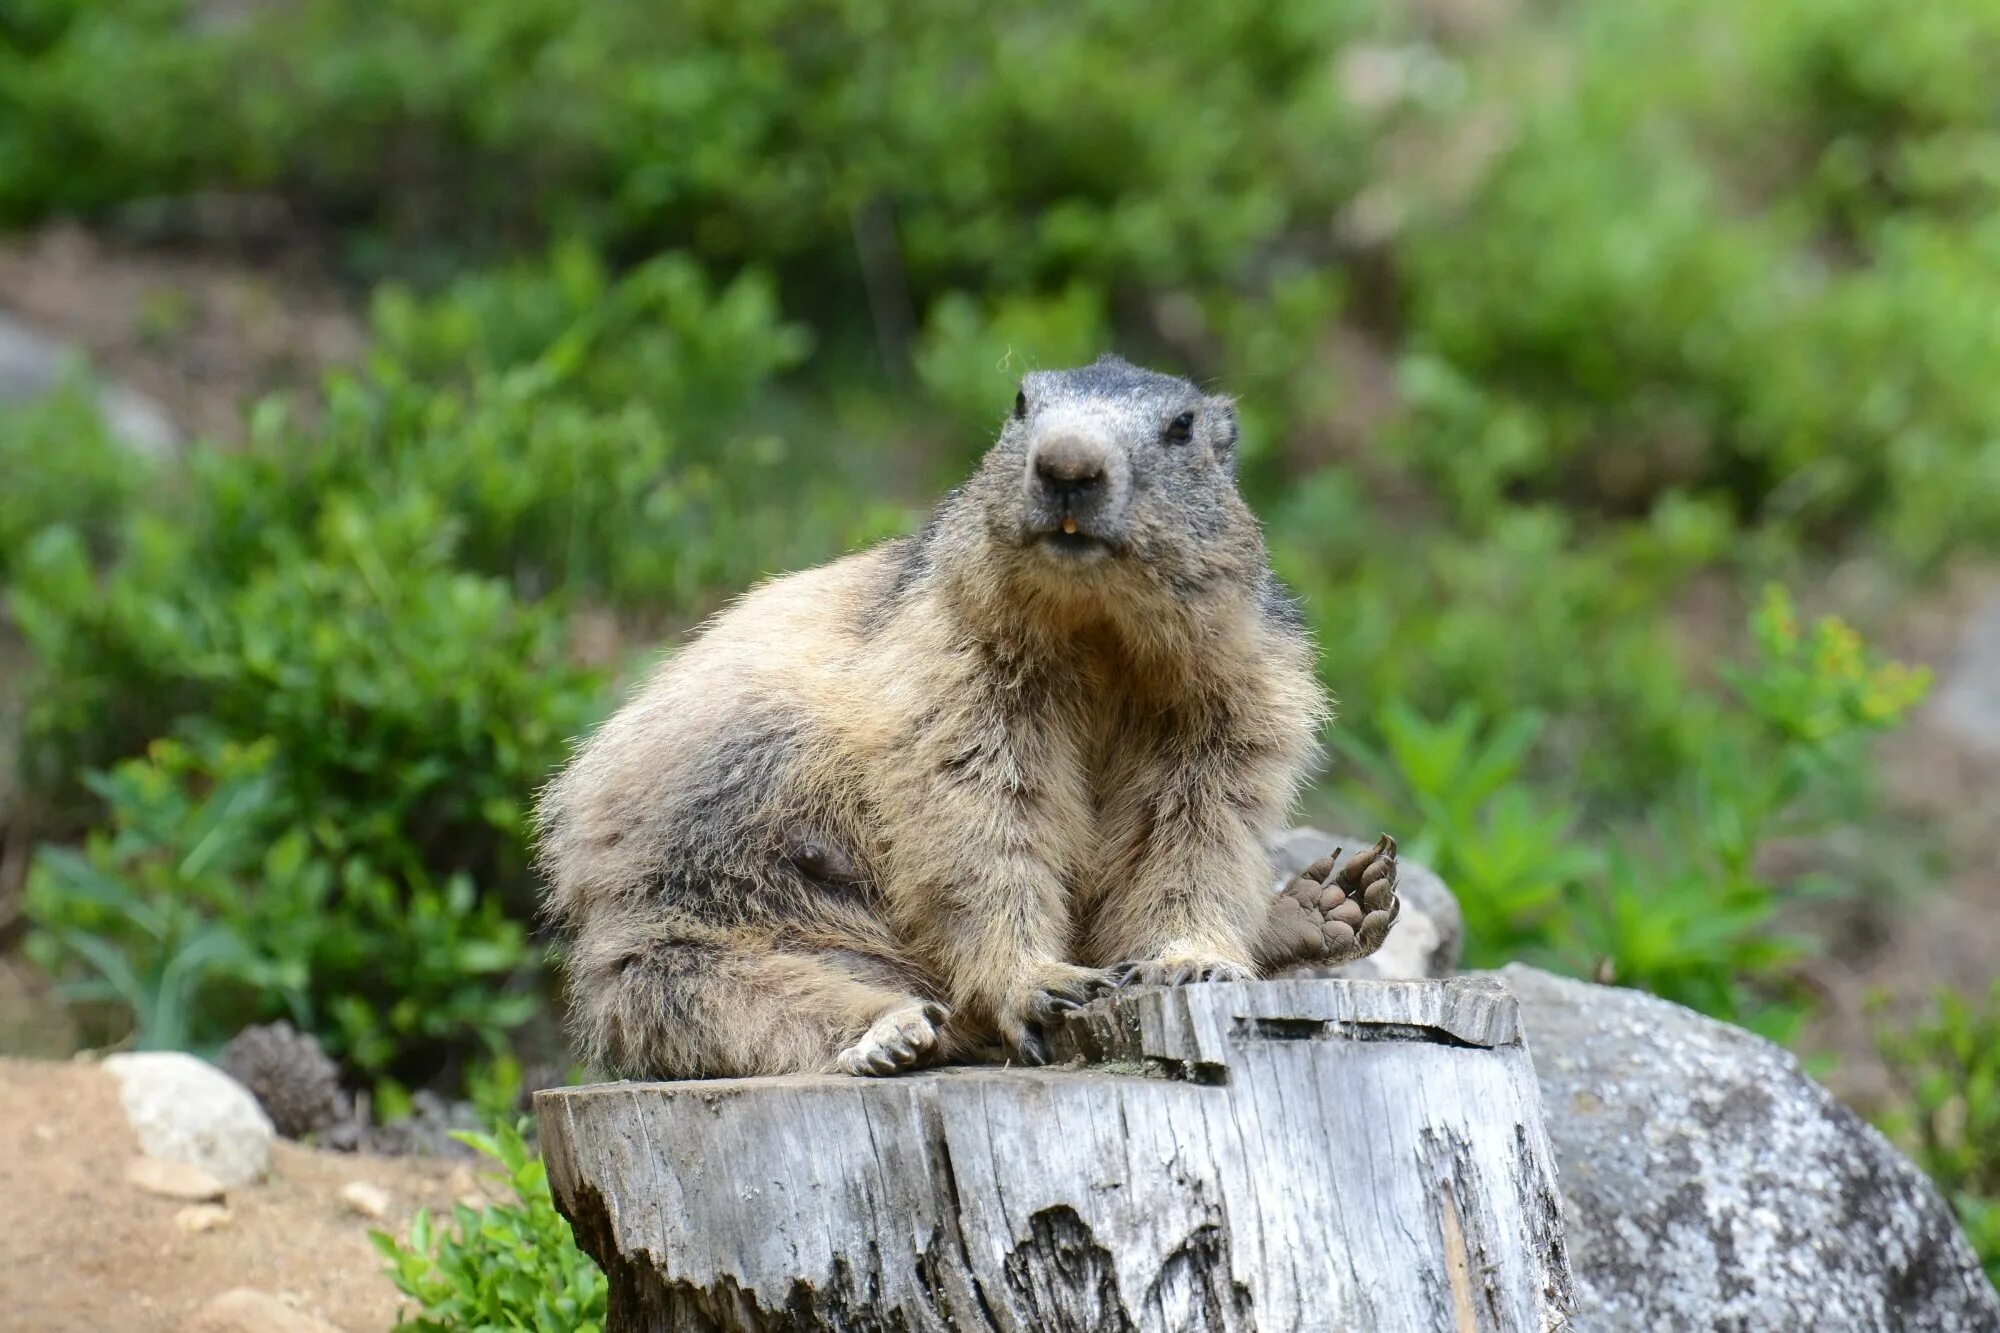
(1269, 1156)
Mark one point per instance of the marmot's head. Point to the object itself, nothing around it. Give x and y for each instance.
(1113, 481)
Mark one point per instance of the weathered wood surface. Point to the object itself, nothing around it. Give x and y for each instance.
(1280, 1155)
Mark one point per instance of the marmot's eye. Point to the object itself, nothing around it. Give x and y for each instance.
(1020, 404)
(1181, 429)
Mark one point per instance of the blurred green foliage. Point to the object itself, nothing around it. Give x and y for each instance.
(204, 906)
(1947, 1113)
(1680, 901)
(1551, 353)
(61, 465)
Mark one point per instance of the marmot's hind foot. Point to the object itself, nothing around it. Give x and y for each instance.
(903, 1039)
(1328, 916)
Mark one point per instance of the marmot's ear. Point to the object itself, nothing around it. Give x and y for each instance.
(1222, 428)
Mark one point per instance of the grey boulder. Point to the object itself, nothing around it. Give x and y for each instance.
(1709, 1184)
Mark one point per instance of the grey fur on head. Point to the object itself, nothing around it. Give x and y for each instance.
(1107, 481)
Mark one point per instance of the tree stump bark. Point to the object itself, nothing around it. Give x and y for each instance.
(1276, 1155)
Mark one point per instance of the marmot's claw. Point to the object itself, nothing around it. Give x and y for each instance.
(900, 1040)
(1029, 1049)
(1061, 990)
(1049, 1006)
(1179, 971)
(1328, 916)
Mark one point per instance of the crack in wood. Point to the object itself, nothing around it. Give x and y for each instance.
(1457, 1265)
(1259, 1028)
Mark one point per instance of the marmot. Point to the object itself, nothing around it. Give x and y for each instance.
(914, 804)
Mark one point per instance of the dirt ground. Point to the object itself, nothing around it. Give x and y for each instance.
(1941, 930)
(83, 1251)
(203, 335)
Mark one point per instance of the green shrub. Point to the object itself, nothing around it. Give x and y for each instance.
(1677, 900)
(1947, 1114)
(747, 132)
(1763, 272)
(607, 439)
(1539, 614)
(62, 466)
(413, 705)
(402, 711)
(510, 1265)
(210, 902)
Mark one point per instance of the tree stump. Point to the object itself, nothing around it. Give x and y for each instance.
(1275, 1155)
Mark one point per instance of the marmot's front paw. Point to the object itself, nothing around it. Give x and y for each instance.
(1051, 993)
(1332, 917)
(902, 1039)
(1179, 970)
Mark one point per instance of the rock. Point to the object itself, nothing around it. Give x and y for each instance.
(1427, 936)
(33, 364)
(427, 1130)
(1708, 1183)
(1968, 704)
(187, 1110)
(245, 1310)
(173, 1180)
(364, 1199)
(202, 1217)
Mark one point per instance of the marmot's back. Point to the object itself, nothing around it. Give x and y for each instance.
(699, 762)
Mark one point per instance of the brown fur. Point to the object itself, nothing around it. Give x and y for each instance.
(960, 768)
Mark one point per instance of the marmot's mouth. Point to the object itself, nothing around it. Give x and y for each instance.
(1074, 543)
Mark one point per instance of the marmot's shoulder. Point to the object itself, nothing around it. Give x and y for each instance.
(837, 600)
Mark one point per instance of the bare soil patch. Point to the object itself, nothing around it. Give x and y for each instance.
(82, 1250)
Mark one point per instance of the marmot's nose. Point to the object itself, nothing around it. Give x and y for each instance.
(1070, 469)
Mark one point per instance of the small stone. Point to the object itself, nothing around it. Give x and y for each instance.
(201, 1217)
(173, 1180)
(187, 1110)
(1967, 702)
(245, 1310)
(365, 1199)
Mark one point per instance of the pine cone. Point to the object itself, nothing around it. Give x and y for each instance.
(295, 1081)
